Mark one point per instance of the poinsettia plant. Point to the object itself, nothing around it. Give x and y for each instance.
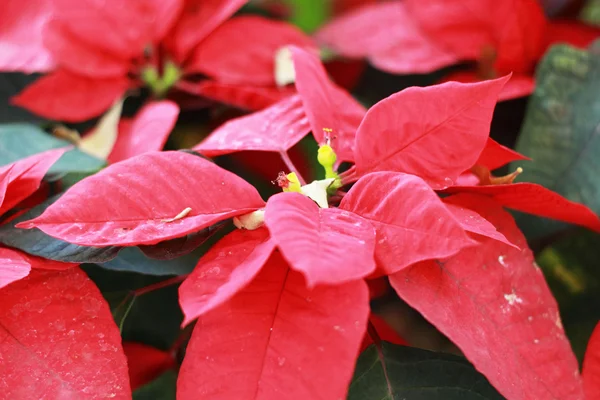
(129, 271)
(412, 36)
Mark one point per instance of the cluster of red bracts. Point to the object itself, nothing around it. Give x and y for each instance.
(284, 306)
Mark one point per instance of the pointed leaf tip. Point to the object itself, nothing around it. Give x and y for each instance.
(120, 206)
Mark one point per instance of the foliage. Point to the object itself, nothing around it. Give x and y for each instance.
(196, 205)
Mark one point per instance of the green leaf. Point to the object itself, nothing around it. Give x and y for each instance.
(308, 15)
(162, 388)
(571, 269)
(37, 243)
(134, 260)
(399, 372)
(561, 132)
(591, 12)
(23, 140)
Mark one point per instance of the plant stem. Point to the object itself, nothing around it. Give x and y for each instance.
(159, 285)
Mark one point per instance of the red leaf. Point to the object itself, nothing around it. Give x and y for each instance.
(462, 206)
(65, 96)
(228, 267)
(493, 303)
(316, 241)
(387, 35)
(535, 199)
(136, 201)
(574, 33)
(251, 43)
(495, 155)
(146, 363)
(591, 367)
(198, 19)
(76, 55)
(21, 27)
(277, 128)
(516, 87)
(24, 177)
(59, 340)
(439, 134)
(514, 29)
(148, 131)
(279, 339)
(411, 222)
(243, 96)
(120, 28)
(331, 110)
(13, 267)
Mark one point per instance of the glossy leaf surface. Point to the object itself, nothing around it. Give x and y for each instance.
(136, 213)
(492, 301)
(224, 270)
(59, 339)
(439, 134)
(277, 128)
(411, 222)
(259, 334)
(316, 241)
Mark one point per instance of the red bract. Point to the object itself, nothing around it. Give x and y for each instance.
(411, 222)
(502, 38)
(18, 181)
(440, 132)
(154, 44)
(59, 340)
(591, 367)
(148, 131)
(261, 335)
(495, 155)
(276, 128)
(21, 36)
(136, 213)
(225, 269)
(333, 114)
(22, 178)
(536, 199)
(492, 301)
(315, 241)
(146, 363)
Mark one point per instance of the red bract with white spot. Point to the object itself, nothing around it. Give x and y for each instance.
(280, 303)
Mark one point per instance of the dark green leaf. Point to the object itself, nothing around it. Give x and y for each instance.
(591, 12)
(22, 140)
(162, 388)
(11, 84)
(132, 259)
(561, 132)
(37, 243)
(154, 318)
(571, 269)
(399, 372)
